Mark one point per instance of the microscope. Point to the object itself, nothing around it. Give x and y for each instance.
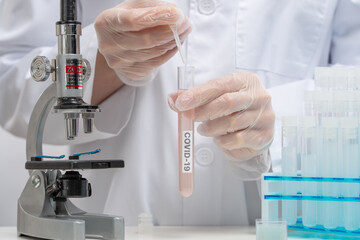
(44, 208)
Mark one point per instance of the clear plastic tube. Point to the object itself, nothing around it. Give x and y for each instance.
(178, 43)
(186, 135)
(350, 150)
(308, 169)
(289, 167)
(321, 104)
(330, 159)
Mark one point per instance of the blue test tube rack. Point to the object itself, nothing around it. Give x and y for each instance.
(273, 186)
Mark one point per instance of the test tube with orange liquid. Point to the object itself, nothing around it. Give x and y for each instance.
(186, 135)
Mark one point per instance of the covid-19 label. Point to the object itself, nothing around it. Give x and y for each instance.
(187, 152)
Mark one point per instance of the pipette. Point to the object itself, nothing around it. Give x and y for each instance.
(178, 43)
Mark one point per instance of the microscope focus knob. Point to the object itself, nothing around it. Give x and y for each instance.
(41, 69)
(86, 69)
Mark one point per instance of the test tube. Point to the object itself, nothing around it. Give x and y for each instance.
(351, 170)
(341, 103)
(331, 160)
(308, 169)
(289, 167)
(340, 110)
(356, 109)
(322, 100)
(186, 135)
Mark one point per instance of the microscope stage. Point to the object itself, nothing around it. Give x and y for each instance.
(73, 164)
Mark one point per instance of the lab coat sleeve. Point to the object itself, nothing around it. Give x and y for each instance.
(345, 48)
(27, 31)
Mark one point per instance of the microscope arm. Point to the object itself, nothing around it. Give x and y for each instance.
(37, 121)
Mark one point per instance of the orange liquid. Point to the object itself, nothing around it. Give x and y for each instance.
(186, 151)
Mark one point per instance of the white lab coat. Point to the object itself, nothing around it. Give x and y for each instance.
(282, 41)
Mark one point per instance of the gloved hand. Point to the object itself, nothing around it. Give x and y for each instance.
(236, 110)
(135, 37)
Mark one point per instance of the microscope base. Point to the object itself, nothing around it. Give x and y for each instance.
(39, 216)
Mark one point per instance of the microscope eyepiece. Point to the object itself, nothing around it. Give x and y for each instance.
(68, 11)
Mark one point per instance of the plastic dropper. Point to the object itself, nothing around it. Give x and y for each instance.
(178, 42)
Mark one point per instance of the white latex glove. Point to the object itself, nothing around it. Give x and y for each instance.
(235, 110)
(135, 37)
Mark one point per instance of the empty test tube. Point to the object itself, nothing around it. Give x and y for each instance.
(308, 169)
(321, 103)
(355, 113)
(350, 148)
(186, 135)
(289, 167)
(331, 161)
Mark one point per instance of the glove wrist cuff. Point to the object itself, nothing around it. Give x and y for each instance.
(138, 82)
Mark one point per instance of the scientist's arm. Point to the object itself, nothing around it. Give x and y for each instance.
(236, 111)
(134, 39)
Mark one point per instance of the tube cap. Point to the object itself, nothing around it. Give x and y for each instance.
(308, 121)
(341, 96)
(356, 96)
(322, 96)
(308, 96)
(289, 121)
(339, 77)
(330, 122)
(349, 122)
(322, 76)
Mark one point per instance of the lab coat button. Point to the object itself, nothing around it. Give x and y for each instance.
(207, 6)
(204, 156)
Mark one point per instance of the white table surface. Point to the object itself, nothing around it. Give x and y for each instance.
(188, 233)
(178, 233)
